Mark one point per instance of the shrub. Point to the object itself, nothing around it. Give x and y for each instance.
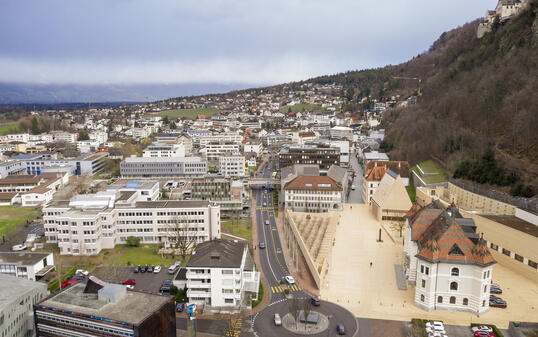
(260, 296)
(286, 291)
(133, 241)
(53, 286)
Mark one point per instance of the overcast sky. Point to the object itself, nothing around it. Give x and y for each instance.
(215, 41)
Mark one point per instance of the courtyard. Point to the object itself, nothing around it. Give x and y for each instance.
(371, 291)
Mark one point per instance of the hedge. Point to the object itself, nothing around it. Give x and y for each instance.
(496, 330)
(260, 296)
(421, 324)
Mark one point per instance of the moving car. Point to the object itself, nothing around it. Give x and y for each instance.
(482, 328)
(277, 320)
(129, 281)
(340, 329)
(17, 248)
(315, 301)
(157, 269)
(266, 222)
(180, 306)
(261, 245)
(289, 279)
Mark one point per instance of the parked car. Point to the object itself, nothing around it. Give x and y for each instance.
(130, 281)
(172, 269)
(497, 303)
(150, 269)
(315, 301)
(157, 269)
(129, 286)
(493, 290)
(137, 269)
(180, 306)
(82, 272)
(340, 329)
(143, 269)
(277, 320)
(261, 245)
(70, 281)
(17, 248)
(480, 333)
(289, 279)
(353, 187)
(264, 204)
(482, 328)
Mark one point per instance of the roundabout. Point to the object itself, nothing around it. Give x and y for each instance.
(329, 316)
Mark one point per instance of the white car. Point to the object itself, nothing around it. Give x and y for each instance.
(353, 187)
(277, 320)
(17, 248)
(482, 328)
(129, 286)
(82, 272)
(157, 269)
(290, 279)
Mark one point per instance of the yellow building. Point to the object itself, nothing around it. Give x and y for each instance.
(391, 201)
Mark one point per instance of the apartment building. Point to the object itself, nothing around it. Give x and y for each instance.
(34, 190)
(226, 137)
(97, 308)
(86, 224)
(12, 167)
(252, 147)
(232, 165)
(87, 164)
(313, 154)
(134, 167)
(313, 194)
(222, 191)
(147, 190)
(162, 149)
(221, 276)
(450, 271)
(17, 296)
(30, 266)
(214, 150)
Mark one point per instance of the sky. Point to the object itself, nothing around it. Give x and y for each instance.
(215, 41)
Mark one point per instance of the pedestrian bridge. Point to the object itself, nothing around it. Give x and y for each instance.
(262, 183)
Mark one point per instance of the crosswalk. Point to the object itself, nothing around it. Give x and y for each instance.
(264, 208)
(280, 289)
(234, 327)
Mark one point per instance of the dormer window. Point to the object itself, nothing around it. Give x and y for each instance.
(455, 250)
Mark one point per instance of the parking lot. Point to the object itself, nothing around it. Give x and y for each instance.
(144, 281)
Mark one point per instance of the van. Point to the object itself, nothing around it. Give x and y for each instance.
(172, 269)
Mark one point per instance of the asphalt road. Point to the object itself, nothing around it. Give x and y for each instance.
(355, 196)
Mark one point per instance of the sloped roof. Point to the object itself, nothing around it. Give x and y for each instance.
(400, 167)
(376, 173)
(314, 183)
(391, 193)
(218, 254)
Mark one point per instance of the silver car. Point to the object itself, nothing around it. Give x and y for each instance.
(278, 320)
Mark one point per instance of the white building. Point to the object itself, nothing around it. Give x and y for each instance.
(161, 149)
(232, 165)
(62, 136)
(146, 190)
(90, 145)
(221, 276)
(313, 194)
(100, 136)
(17, 298)
(227, 137)
(450, 267)
(30, 266)
(86, 224)
(213, 151)
(163, 167)
(252, 147)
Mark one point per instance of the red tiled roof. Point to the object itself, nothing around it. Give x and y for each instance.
(422, 221)
(376, 173)
(400, 167)
(314, 183)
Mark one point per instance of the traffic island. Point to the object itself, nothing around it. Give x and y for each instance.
(314, 323)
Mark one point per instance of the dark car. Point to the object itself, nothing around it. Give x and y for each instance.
(315, 301)
(340, 329)
(180, 306)
(167, 282)
(149, 269)
(494, 290)
(143, 269)
(497, 303)
(136, 269)
(164, 289)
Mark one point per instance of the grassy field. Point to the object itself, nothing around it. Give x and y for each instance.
(10, 217)
(188, 113)
(240, 229)
(429, 167)
(300, 107)
(6, 128)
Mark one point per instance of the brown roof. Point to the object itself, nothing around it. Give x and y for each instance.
(314, 183)
(400, 167)
(307, 134)
(7, 196)
(22, 179)
(376, 173)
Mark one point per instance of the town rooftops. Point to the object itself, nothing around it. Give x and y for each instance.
(400, 167)
(22, 258)
(375, 174)
(218, 254)
(150, 160)
(7, 196)
(314, 183)
(132, 309)
(172, 204)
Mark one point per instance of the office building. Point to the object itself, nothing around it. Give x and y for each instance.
(232, 165)
(165, 167)
(313, 154)
(313, 194)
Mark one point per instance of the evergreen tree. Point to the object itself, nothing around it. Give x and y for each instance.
(35, 126)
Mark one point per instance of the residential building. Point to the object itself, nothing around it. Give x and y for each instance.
(221, 276)
(161, 149)
(341, 132)
(86, 224)
(100, 136)
(390, 201)
(90, 145)
(17, 296)
(232, 165)
(374, 155)
(313, 194)
(314, 154)
(218, 190)
(214, 150)
(97, 308)
(450, 270)
(30, 266)
(375, 171)
(133, 167)
(224, 137)
(252, 147)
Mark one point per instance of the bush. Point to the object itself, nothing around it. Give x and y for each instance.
(133, 241)
(496, 331)
(53, 286)
(418, 324)
(260, 296)
(286, 291)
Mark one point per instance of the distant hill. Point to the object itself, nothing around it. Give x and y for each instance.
(15, 93)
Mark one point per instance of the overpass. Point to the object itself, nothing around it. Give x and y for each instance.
(258, 183)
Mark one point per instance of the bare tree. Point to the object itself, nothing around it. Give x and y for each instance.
(295, 309)
(183, 236)
(307, 306)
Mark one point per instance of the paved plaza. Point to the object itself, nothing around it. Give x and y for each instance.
(372, 292)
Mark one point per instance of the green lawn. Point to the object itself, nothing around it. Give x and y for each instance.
(412, 192)
(188, 113)
(299, 107)
(10, 217)
(6, 128)
(122, 255)
(240, 229)
(429, 166)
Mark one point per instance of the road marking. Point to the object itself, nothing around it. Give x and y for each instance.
(278, 251)
(280, 289)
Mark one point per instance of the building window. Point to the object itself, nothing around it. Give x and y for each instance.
(439, 299)
(427, 270)
(465, 301)
(484, 303)
(455, 272)
(518, 257)
(486, 288)
(452, 299)
(422, 268)
(453, 285)
(422, 298)
(494, 247)
(423, 283)
(506, 252)
(533, 264)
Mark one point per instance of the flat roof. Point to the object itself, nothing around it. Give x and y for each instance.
(22, 258)
(163, 160)
(515, 223)
(133, 308)
(171, 204)
(132, 184)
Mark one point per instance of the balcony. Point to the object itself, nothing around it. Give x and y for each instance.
(198, 285)
(192, 293)
(191, 275)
